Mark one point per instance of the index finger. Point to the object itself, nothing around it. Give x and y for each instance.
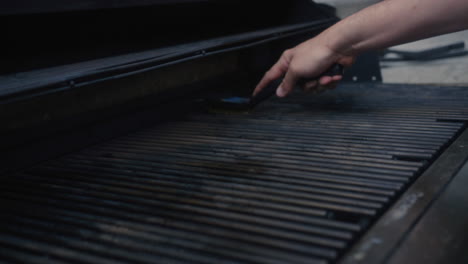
(278, 70)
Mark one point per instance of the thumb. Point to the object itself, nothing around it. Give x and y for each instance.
(288, 84)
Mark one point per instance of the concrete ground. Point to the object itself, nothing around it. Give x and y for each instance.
(444, 71)
(449, 71)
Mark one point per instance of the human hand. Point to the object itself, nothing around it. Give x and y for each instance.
(306, 61)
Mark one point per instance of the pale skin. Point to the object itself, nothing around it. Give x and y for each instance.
(382, 25)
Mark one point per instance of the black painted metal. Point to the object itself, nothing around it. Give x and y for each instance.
(446, 218)
(84, 30)
(366, 69)
(422, 227)
(295, 181)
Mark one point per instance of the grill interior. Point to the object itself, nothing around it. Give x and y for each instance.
(295, 181)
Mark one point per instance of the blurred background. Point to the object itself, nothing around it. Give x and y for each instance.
(452, 70)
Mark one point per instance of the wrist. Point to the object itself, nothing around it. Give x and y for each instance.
(339, 41)
(334, 48)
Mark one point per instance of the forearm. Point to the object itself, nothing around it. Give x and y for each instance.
(393, 22)
(385, 24)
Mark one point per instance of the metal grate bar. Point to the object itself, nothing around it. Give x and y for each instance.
(178, 171)
(296, 181)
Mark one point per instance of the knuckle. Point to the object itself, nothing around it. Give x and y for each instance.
(286, 53)
(294, 69)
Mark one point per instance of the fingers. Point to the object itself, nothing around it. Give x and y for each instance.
(276, 71)
(287, 86)
(323, 84)
(271, 75)
(325, 80)
(309, 86)
(293, 68)
(337, 78)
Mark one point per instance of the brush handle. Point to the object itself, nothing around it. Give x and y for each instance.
(270, 89)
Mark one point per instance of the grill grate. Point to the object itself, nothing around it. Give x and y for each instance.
(296, 181)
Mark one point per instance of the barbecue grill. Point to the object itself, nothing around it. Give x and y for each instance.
(110, 153)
